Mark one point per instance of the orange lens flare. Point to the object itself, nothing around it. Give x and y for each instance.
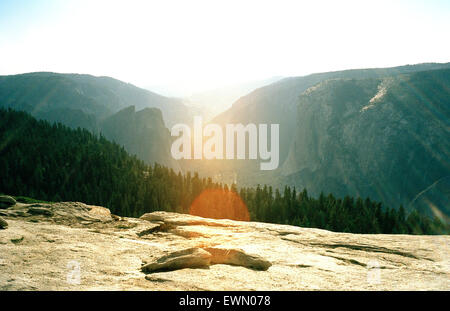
(219, 204)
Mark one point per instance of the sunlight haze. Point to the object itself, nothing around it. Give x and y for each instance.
(183, 47)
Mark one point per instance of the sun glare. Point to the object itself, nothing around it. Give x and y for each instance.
(220, 204)
(193, 46)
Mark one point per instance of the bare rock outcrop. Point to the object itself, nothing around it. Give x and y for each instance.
(174, 219)
(202, 258)
(237, 257)
(169, 251)
(188, 258)
(38, 210)
(3, 223)
(74, 213)
(6, 201)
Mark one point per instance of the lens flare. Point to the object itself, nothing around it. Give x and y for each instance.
(220, 204)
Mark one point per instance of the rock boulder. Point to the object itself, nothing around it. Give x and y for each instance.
(188, 258)
(3, 223)
(6, 201)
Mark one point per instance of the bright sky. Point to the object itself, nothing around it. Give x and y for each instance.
(190, 46)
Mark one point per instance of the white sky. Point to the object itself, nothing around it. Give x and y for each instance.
(190, 46)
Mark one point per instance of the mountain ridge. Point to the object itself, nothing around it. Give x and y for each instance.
(101, 96)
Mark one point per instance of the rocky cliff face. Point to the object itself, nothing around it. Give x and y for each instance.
(383, 138)
(142, 133)
(278, 103)
(381, 133)
(74, 246)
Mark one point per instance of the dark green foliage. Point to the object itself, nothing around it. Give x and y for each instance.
(56, 163)
(328, 212)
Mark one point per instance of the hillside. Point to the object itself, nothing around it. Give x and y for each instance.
(54, 163)
(277, 102)
(74, 246)
(43, 93)
(383, 138)
(378, 133)
(410, 130)
(95, 104)
(141, 133)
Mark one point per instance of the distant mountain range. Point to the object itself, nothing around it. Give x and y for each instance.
(100, 104)
(277, 102)
(216, 101)
(46, 93)
(382, 133)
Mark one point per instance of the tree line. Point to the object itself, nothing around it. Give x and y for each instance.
(52, 162)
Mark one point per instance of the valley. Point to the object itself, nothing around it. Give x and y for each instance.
(365, 132)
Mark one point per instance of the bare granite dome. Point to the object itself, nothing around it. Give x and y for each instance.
(74, 246)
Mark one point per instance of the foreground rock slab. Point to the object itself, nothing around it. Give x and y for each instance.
(83, 247)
